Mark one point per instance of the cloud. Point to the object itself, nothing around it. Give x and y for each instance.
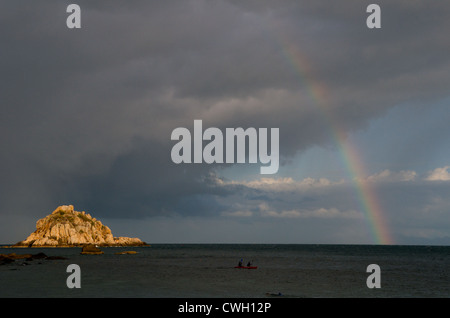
(289, 184)
(284, 184)
(389, 176)
(439, 174)
(318, 213)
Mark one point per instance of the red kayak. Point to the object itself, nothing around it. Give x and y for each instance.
(247, 267)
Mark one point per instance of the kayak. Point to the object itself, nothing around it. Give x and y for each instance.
(247, 267)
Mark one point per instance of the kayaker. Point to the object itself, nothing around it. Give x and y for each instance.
(249, 264)
(240, 263)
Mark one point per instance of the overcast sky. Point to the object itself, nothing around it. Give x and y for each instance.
(86, 117)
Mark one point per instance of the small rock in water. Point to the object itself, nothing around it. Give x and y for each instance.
(91, 250)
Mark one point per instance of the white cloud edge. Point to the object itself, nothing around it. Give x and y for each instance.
(439, 174)
(289, 184)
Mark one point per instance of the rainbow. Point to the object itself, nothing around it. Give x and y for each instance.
(352, 160)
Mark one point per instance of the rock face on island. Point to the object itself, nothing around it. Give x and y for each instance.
(66, 227)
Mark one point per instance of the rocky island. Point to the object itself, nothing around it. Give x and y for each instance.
(66, 227)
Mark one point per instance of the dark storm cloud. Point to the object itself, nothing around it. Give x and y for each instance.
(144, 182)
(86, 115)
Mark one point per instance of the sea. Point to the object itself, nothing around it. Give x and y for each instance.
(208, 271)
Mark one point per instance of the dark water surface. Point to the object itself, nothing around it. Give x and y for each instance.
(207, 270)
